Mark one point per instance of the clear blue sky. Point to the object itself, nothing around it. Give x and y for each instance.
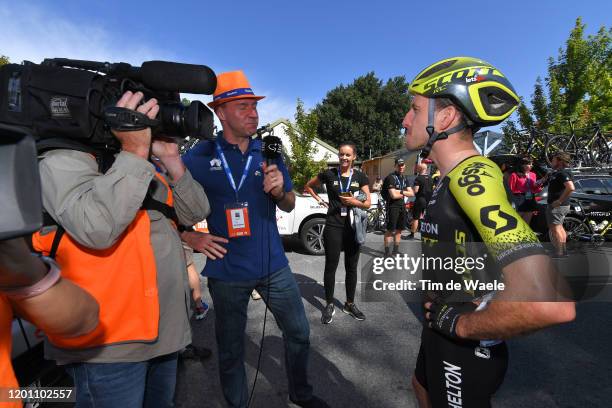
(300, 49)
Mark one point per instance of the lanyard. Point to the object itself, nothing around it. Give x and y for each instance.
(528, 182)
(348, 186)
(400, 181)
(228, 171)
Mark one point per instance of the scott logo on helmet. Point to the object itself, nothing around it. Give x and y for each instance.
(472, 178)
(442, 81)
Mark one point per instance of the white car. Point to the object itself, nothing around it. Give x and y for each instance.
(307, 221)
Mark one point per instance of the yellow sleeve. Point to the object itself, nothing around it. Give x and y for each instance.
(477, 185)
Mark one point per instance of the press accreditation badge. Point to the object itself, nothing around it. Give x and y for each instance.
(237, 215)
(343, 211)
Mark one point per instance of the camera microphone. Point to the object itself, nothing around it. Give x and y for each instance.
(271, 148)
(177, 77)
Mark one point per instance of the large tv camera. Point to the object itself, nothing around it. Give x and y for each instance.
(64, 103)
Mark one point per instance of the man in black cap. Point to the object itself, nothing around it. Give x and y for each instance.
(395, 188)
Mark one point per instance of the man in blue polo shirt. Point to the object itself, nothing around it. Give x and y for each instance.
(244, 249)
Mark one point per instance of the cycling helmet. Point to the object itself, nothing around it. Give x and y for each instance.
(479, 89)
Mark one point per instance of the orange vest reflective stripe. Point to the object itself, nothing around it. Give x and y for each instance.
(122, 278)
(7, 376)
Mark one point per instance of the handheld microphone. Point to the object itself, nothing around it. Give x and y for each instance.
(271, 148)
(177, 77)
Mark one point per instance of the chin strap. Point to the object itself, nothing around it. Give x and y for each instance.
(433, 135)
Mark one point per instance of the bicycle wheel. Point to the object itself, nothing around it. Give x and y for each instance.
(557, 144)
(575, 228)
(599, 152)
(372, 219)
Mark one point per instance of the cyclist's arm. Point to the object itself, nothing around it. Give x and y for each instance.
(531, 281)
(507, 316)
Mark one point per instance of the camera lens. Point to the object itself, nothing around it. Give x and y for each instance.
(180, 121)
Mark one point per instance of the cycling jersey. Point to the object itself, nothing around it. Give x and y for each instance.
(470, 215)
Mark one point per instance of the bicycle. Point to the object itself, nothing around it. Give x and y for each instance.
(377, 216)
(588, 229)
(594, 151)
(529, 142)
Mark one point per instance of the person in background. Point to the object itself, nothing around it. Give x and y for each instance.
(342, 185)
(395, 189)
(377, 185)
(560, 188)
(423, 186)
(524, 186)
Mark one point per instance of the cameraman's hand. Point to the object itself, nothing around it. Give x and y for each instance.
(17, 266)
(208, 244)
(137, 142)
(167, 151)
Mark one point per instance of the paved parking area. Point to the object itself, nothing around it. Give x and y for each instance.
(369, 363)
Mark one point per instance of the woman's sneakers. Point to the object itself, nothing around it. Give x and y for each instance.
(351, 309)
(328, 313)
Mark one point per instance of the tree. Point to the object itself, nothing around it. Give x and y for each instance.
(579, 84)
(3, 60)
(301, 164)
(366, 113)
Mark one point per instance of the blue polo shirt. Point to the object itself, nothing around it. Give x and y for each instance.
(247, 257)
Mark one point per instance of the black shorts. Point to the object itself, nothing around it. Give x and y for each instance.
(396, 218)
(419, 207)
(524, 205)
(452, 373)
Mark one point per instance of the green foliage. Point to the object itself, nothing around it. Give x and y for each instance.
(302, 133)
(4, 60)
(540, 106)
(366, 112)
(578, 85)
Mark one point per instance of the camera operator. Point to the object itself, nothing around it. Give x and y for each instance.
(32, 288)
(122, 246)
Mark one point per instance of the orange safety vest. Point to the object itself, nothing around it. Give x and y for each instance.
(7, 376)
(122, 278)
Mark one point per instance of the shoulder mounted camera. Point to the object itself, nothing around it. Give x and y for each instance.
(70, 104)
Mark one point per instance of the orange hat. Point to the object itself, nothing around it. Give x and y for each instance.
(232, 85)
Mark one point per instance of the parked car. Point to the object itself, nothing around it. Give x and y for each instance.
(590, 206)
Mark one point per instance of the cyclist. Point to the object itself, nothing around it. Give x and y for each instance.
(458, 364)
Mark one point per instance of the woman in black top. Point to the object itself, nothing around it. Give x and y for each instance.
(342, 185)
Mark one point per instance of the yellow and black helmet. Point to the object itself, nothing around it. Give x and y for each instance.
(479, 89)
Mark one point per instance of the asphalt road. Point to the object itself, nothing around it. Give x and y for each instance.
(369, 363)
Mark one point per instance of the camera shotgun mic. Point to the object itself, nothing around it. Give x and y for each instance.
(158, 75)
(174, 76)
(271, 148)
